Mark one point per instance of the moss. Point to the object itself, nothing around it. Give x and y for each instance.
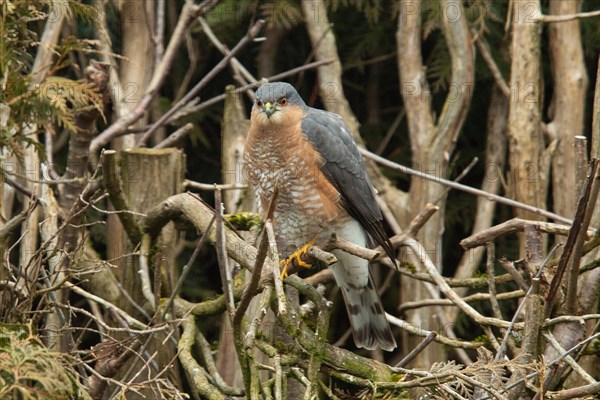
(244, 221)
(411, 267)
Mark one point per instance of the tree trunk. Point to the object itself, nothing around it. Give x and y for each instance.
(589, 281)
(31, 168)
(233, 136)
(138, 52)
(268, 51)
(526, 182)
(495, 159)
(136, 72)
(431, 144)
(568, 103)
(148, 177)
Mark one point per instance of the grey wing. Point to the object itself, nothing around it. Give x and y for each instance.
(344, 168)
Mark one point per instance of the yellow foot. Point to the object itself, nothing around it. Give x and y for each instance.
(296, 256)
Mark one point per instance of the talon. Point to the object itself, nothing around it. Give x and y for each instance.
(285, 264)
(296, 256)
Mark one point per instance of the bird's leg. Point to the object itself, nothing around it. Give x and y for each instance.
(296, 256)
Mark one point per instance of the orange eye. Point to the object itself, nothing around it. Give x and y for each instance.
(282, 101)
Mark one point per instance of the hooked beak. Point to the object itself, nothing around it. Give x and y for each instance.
(269, 109)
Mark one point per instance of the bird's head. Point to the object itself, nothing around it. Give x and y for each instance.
(277, 102)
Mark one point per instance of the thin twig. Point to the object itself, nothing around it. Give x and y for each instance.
(409, 305)
(188, 14)
(439, 338)
(187, 267)
(573, 237)
(581, 163)
(390, 132)
(421, 219)
(465, 188)
(420, 347)
(459, 178)
(336, 242)
(323, 387)
(273, 78)
(145, 270)
(421, 254)
(491, 258)
(221, 246)
(514, 225)
(251, 34)
(551, 364)
(176, 136)
(485, 386)
(235, 63)
(195, 373)
(566, 17)
(569, 360)
(250, 291)
(575, 393)
(20, 188)
(128, 318)
(509, 266)
(213, 372)
(491, 63)
(570, 318)
(571, 297)
(261, 312)
(500, 354)
(279, 292)
(212, 186)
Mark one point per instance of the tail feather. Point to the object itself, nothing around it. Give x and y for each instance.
(370, 327)
(369, 324)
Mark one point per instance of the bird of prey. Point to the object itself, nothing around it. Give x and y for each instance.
(322, 188)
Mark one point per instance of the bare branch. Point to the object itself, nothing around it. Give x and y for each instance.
(464, 188)
(195, 108)
(414, 352)
(407, 305)
(421, 254)
(578, 392)
(279, 292)
(186, 269)
(572, 363)
(509, 267)
(213, 186)
(491, 258)
(485, 53)
(221, 246)
(176, 136)
(128, 318)
(235, 63)
(565, 18)
(206, 353)
(188, 15)
(591, 190)
(576, 235)
(252, 32)
(196, 374)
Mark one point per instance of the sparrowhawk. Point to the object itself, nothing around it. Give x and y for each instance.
(323, 187)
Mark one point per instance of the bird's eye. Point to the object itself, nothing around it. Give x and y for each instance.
(258, 103)
(282, 101)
